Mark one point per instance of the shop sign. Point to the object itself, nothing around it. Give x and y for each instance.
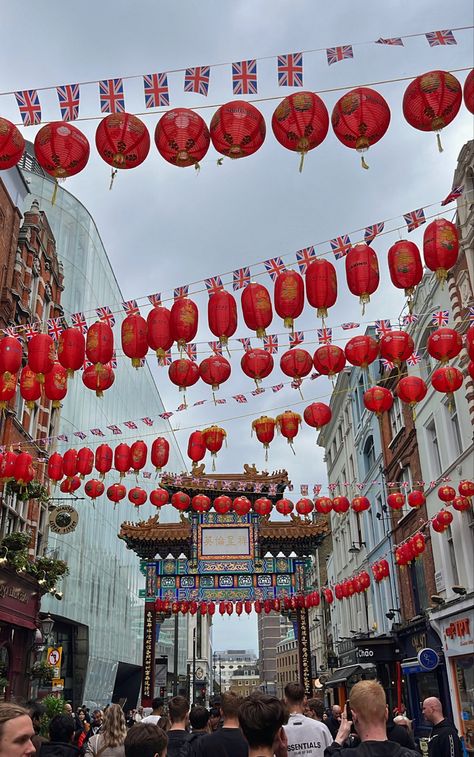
(303, 649)
(458, 633)
(63, 519)
(348, 658)
(57, 684)
(376, 651)
(148, 653)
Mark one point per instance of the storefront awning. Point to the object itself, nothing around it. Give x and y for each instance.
(341, 675)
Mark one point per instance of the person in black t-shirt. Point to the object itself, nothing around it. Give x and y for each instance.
(227, 741)
(178, 737)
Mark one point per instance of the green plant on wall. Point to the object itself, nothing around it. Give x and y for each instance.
(54, 706)
(33, 490)
(14, 549)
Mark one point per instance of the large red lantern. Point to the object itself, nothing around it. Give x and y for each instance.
(182, 137)
(304, 506)
(340, 505)
(222, 504)
(263, 506)
(55, 384)
(378, 399)
(328, 596)
(362, 271)
(362, 350)
(181, 501)
(98, 378)
(61, 149)
(301, 122)
(7, 465)
(184, 321)
(446, 493)
(440, 247)
(329, 359)
(470, 369)
(466, 488)
(405, 266)
(241, 505)
(284, 506)
(317, 415)
(468, 92)
(222, 315)
(137, 496)
(116, 492)
(446, 379)
(70, 463)
(257, 364)
(12, 144)
(432, 101)
(138, 455)
(122, 140)
(360, 118)
(55, 467)
(160, 453)
(257, 308)
(103, 459)
(122, 459)
(444, 344)
(201, 503)
(264, 428)
(416, 499)
(11, 354)
(94, 488)
(213, 439)
(70, 485)
(296, 364)
(85, 462)
(323, 505)
(134, 338)
(396, 501)
(24, 471)
(71, 350)
(100, 343)
(30, 387)
(360, 504)
(462, 504)
(237, 129)
(41, 355)
(289, 296)
(183, 373)
(396, 346)
(159, 334)
(159, 497)
(321, 286)
(411, 389)
(8, 382)
(288, 424)
(196, 447)
(214, 370)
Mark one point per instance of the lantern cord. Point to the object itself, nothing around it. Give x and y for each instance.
(363, 163)
(197, 168)
(302, 161)
(113, 174)
(438, 139)
(55, 192)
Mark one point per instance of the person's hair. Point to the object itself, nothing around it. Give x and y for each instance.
(10, 711)
(230, 703)
(369, 702)
(198, 718)
(317, 706)
(294, 692)
(157, 703)
(215, 712)
(114, 728)
(61, 728)
(97, 711)
(163, 723)
(261, 716)
(145, 740)
(178, 708)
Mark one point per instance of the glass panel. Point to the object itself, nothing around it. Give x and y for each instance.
(464, 677)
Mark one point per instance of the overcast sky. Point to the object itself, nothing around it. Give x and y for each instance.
(163, 226)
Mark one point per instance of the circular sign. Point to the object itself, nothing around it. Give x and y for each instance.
(199, 673)
(428, 658)
(54, 657)
(63, 519)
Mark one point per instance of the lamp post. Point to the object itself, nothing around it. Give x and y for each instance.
(194, 665)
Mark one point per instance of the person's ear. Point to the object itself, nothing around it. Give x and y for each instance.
(386, 712)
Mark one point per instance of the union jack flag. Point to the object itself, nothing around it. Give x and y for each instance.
(105, 314)
(240, 277)
(240, 398)
(270, 343)
(114, 429)
(78, 320)
(296, 338)
(440, 318)
(147, 421)
(226, 485)
(304, 257)
(111, 96)
(349, 325)
(471, 314)
(216, 347)
(199, 402)
(68, 96)
(130, 424)
(387, 364)
(317, 488)
(453, 195)
(180, 292)
(113, 362)
(445, 37)
(340, 246)
(304, 490)
(30, 330)
(55, 327)
(191, 352)
(197, 80)
(97, 432)
(277, 388)
(130, 307)
(257, 487)
(245, 342)
(155, 299)
(181, 407)
(335, 54)
(244, 77)
(290, 70)
(414, 358)
(372, 231)
(220, 402)
(314, 376)
(79, 434)
(274, 267)
(414, 219)
(167, 359)
(257, 391)
(146, 474)
(155, 87)
(410, 318)
(241, 486)
(63, 437)
(324, 335)
(29, 106)
(398, 41)
(382, 327)
(213, 285)
(166, 416)
(272, 489)
(10, 331)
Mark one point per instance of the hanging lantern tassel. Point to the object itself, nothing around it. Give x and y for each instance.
(220, 161)
(266, 452)
(363, 163)
(214, 455)
(55, 192)
(197, 168)
(438, 139)
(113, 174)
(291, 445)
(302, 157)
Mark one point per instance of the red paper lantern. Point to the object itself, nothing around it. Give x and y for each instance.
(213, 439)
(201, 503)
(360, 118)
(470, 369)
(70, 485)
(437, 526)
(340, 504)
(446, 493)
(159, 497)
(103, 459)
(7, 465)
(288, 424)
(301, 122)
(257, 308)
(181, 501)
(23, 471)
(11, 353)
(264, 428)
(405, 266)
(378, 399)
(466, 488)
(329, 359)
(289, 296)
(222, 504)
(317, 415)
(248, 606)
(296, 363)
(160, 452)
(122, 140)
(159, 334)
(55, 467)
(30, 387)
(94, 488)
(214, 370)
(85, 462)
(323, 505)
(362, 350)
(122, 459)
(100, 343)
(182, 137)
(447, 379)
(241, 505)
(462, 504)
(284, 506)
(116, 492)
(470, 342)
(138, 455)
(364, 580)
(396, 346)
(184, 321)
(98, 378)
(267, 606)
(12, 144)
(70, 463)
(61, 149)
(41, 355)
(362, 272)
(196, 447)
(8, 382)
(440, 247)
(338, 592)
(71, 350)
(360, 504)
(222, 315)
(263, 506)
(237, 129)
(229, 608)
(432, 101)
(444, 344)
(444, 517)
(257, 364)
(304, 506)
(411, 389)
(396, 500)
(55, 384)
(134, 338)
(328, 596)
(137, 496)
(183, 373)
(321, 286)
(468, 92)
(416, 499)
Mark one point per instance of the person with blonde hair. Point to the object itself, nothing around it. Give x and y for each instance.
(16, 731)
(109, 742)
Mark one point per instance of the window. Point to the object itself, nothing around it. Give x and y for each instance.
(433, 449)
(418, 583)
(369, 454)
(405, 484)
(454, 431)
(396, 417)
(452, 557)
(34, 294)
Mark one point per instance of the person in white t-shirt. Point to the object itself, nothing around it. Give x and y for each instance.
(156, 712)
(306, 737)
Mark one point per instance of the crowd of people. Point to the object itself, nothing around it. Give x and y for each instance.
(259, 725)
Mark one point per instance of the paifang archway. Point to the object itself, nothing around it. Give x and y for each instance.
(209, 557)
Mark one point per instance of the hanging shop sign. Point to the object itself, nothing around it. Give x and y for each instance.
(63, 519)
(428, 658)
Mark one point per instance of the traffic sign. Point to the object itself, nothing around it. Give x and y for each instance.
(428, 658)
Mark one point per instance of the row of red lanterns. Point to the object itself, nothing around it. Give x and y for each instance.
(356, 585)
(410, 549)
(224, 607)
(300, 123)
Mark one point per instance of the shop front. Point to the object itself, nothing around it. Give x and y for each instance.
(383, 652)
(351, 670)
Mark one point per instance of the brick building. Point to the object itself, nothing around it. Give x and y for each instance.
(287, 663)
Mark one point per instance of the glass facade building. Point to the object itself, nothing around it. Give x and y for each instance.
(104, 578)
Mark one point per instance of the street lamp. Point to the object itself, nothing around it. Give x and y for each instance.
(47, 625)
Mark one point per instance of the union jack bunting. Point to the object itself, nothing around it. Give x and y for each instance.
(410, 318)
(213, 285)
(130, 424)
(440, 318)
(10, 331)
(155, 87)
(216, 347)
(241, 486)
(199, 402)
(68, 96)
(55, 327)
(146, 474)
(340, 246)
(290, 70)
(371, 231)
(272, 489)
(397, 41)
(191, 351)
(30, 330)
(29, 107)
(414, 358)
(324, 335)
(167, 359)
(382, 327)
(277, 388)
(349, 325)
(304, 257)
(244, 77)
(97, 432)
(113, 362)
(453, 195)
(166, 416)
(274, 267)
(240, 278)
(211, 483)
(130, 307)
(181, 407)
(241, 398)
(111, 96)
(471, 314)
(180, 292)
(147, 421)
(445, 37)
(414, 219)
(79, 434)
(63, 438)
(220, 402)
(314, 376)
(257, 391)
(257, 487)
(226, 485)
(105, 314)
(114, 429)
(335, 54)
(316, 489)
(332, 487)
(197, 80)
(304, 489)
(270, 343)
(155, 299)
(297, 337)
(245, 342)
(387, 364)
(78, 320)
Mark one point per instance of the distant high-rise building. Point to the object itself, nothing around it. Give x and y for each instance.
(272, 628)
